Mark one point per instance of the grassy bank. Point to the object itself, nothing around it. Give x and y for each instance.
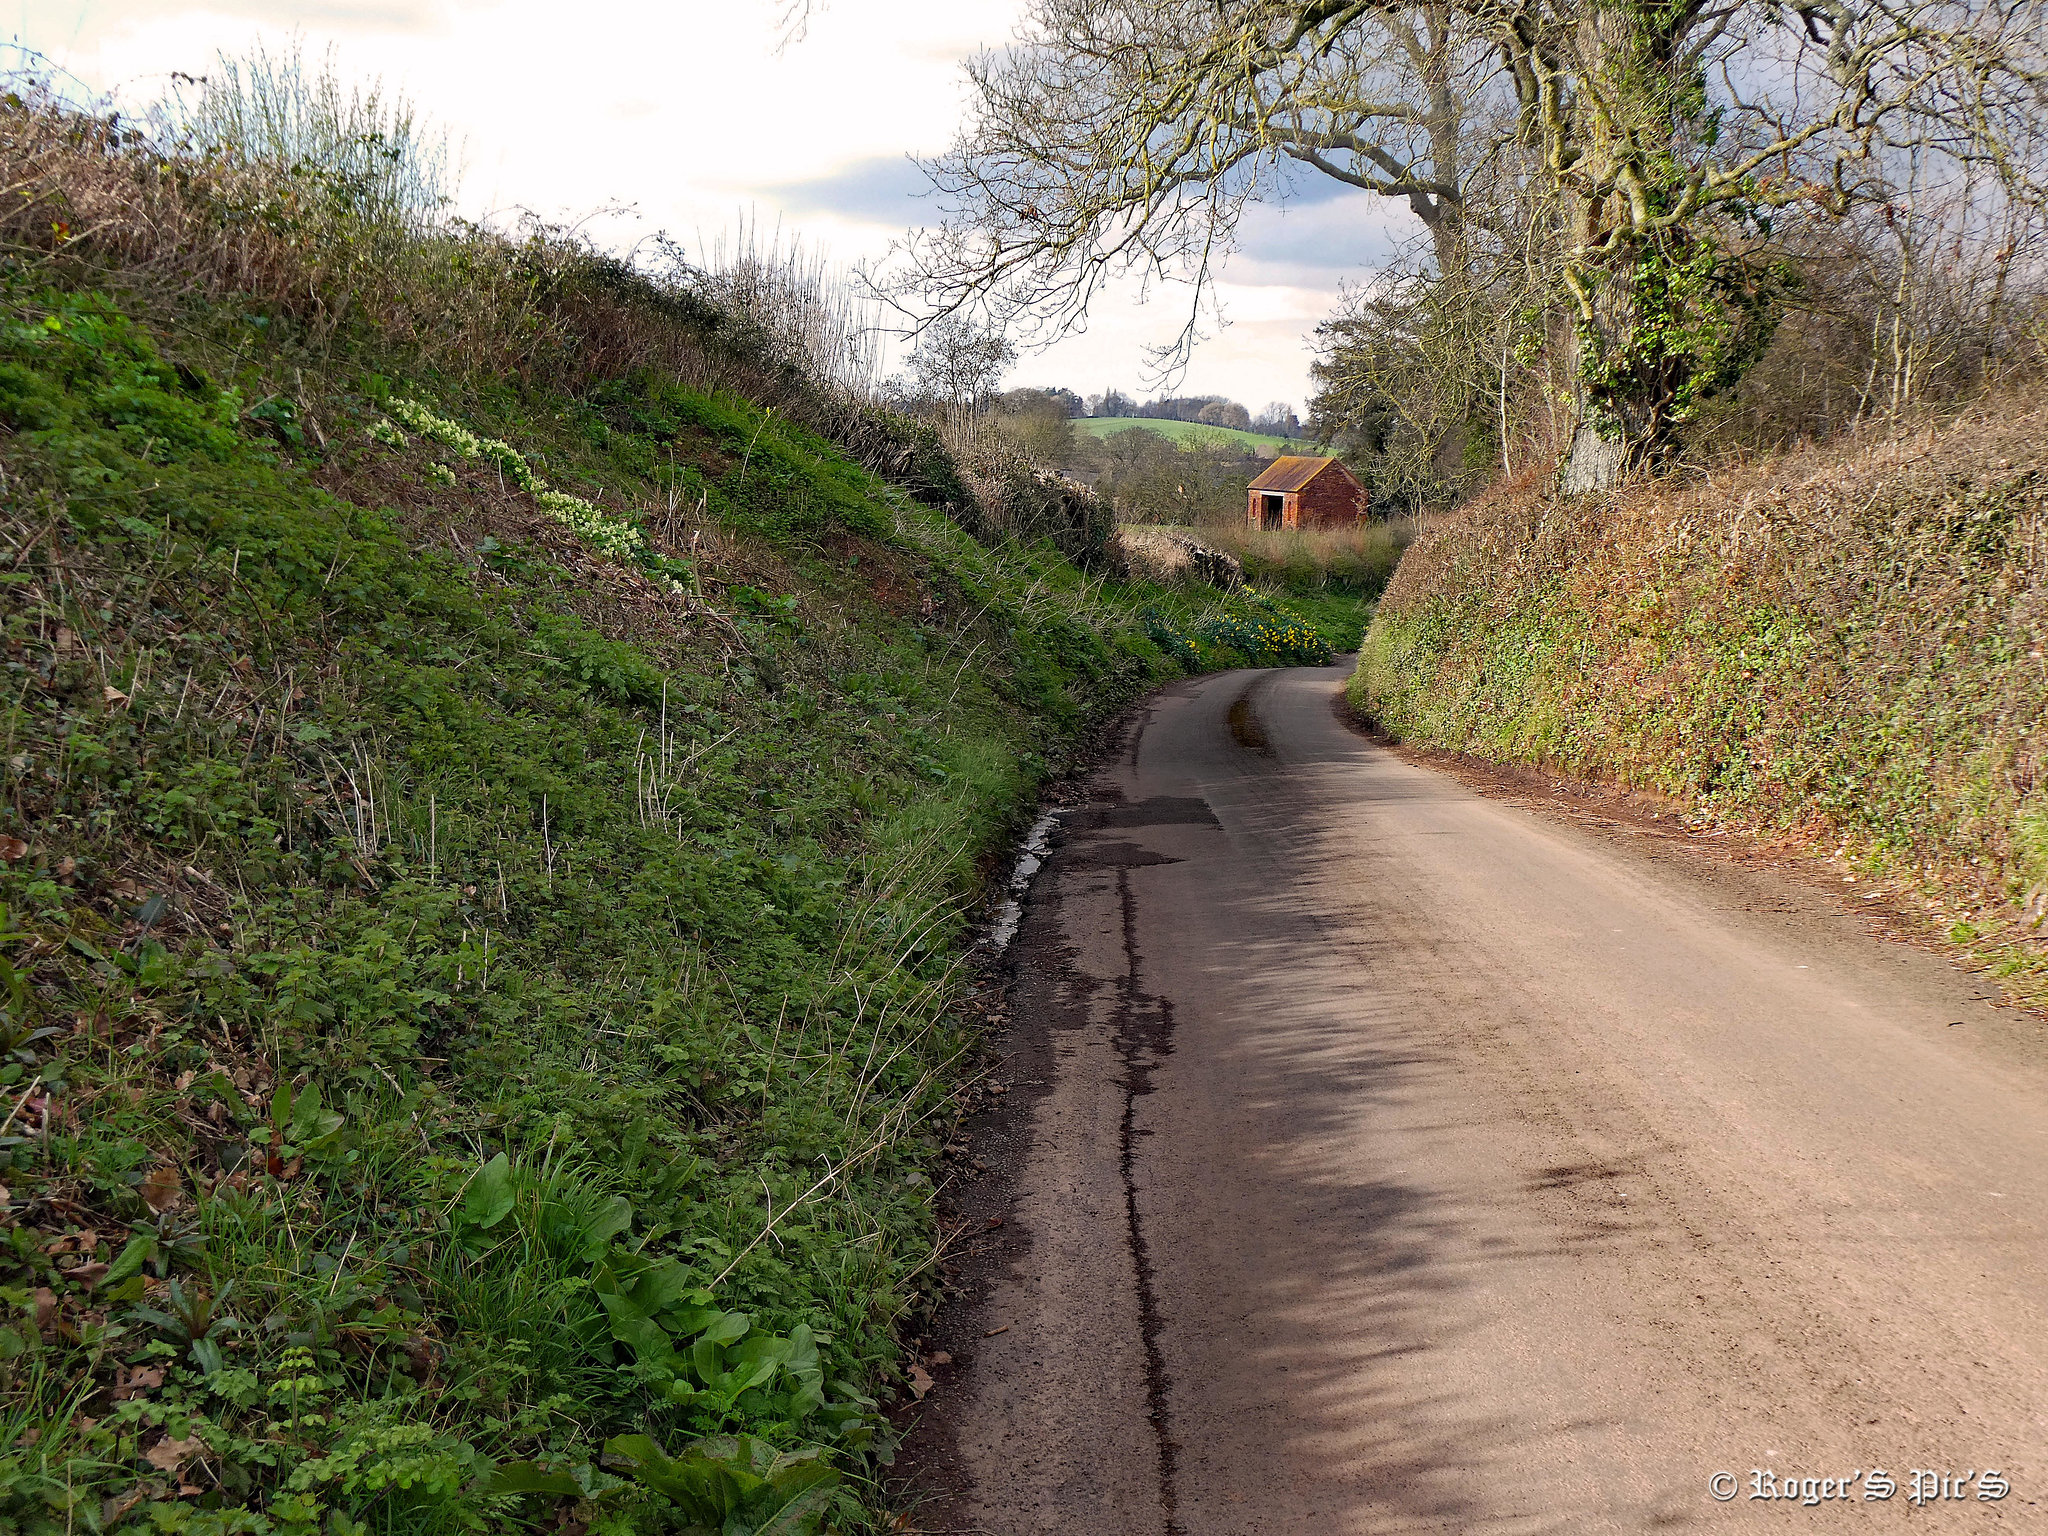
(1353, 562)
(1845, 643)
(494, 815)
(1327, 578)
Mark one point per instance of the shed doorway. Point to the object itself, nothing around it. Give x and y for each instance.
(1271, 510)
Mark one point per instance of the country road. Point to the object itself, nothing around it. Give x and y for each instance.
(1388, 1157)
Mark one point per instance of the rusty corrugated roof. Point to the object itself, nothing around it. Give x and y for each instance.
(1290, 472)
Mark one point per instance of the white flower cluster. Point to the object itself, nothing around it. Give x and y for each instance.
(609, 535)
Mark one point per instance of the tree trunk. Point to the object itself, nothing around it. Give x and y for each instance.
(1596, 464)
(1618, 437)
(1624, 391)
(1632, 365)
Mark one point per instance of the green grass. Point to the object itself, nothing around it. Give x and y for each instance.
(1192, 432)
(1341, 616)
(479, 961)
(1339, 568)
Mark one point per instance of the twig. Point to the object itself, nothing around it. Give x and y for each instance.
(26, 1095)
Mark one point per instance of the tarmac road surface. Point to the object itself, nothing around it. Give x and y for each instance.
(1394, 1158)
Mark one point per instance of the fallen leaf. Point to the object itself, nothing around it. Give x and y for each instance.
(161, 1189)
(422, 1356)
(13, 849)
(88, 1274)
(168, 1455)
(113, 695)
(920, 1382)
(938, 1358)
(114, 1508)
(46, 1306)
(136, 1382)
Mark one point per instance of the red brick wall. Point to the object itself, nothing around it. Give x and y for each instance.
(1255, 511)
(1332, 500)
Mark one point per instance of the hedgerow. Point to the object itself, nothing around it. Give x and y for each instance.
(1843, 643)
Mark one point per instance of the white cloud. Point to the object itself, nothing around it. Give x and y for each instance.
(692, 115)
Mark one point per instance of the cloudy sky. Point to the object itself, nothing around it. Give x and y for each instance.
(689, 114)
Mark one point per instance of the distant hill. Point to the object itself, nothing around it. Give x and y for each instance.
(1190, 431)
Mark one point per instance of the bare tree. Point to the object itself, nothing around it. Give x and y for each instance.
(1278, 419)
(1653, 147)
(959, 363)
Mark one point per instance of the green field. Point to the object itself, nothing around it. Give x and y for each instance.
(1191, 431)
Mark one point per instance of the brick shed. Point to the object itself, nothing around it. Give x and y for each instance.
(1300, 492)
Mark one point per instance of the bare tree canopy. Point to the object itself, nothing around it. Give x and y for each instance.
(959, 364)
(1640, 153)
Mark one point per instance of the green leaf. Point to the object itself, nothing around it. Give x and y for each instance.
(803, 1348)
(12, 982)
(488, 1200)
(665, 1286)
(311, 1122)
(730, 1327)
(807, 1396)
(800, 1514)
(649, 1343)
(526, 1477)
(707, 1490)
(610, 1219)
(281, 1107)
(686, 1322)
(708, 1361)
(140, 1251)
(757, 1361)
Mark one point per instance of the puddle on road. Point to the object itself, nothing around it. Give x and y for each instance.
(1247, 727)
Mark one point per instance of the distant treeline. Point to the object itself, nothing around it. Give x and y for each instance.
(1210, 410)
